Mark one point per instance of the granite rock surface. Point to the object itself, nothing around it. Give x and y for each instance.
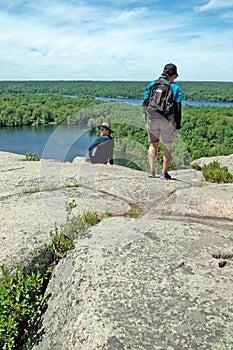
(162, 280)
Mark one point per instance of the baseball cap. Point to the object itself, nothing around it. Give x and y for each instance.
(170, 69)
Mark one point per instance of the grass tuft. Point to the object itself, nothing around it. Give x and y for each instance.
(134, 212)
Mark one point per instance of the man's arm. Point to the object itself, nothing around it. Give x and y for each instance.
(177, 105)
(177, 114)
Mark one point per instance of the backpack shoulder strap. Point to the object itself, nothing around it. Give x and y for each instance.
(161, 81)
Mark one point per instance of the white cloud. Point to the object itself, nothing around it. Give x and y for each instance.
(60, 40)
(215, 4)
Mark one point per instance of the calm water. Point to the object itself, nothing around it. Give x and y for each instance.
(188, 103)
(63, 142)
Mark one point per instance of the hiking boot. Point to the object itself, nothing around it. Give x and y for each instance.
(151, 174)
(165, 176)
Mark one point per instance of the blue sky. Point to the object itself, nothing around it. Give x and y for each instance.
(115, 40)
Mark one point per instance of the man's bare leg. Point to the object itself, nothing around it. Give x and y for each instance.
(152, 154)
(167, 156)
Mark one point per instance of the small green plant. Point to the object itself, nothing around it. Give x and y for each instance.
(60, 243)
(62, 240)
(213, 172)
(134, 212)
(20, 298)
(78, 225)
(29, 156)
(108, 214)
(70, 206)
(91, 218)
(196, 166)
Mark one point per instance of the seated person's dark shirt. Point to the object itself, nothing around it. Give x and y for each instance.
(101, 150)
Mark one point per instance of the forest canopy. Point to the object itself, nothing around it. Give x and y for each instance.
(25, 109)
(193, 91)
(206, 131)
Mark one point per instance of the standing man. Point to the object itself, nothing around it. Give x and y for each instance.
(158, 125)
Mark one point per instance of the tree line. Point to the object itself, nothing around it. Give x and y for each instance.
(206, 131)
(17, 110)
(193, 91)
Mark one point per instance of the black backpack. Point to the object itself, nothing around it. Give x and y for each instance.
(160, 99)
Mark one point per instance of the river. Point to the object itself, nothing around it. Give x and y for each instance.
(63, 142)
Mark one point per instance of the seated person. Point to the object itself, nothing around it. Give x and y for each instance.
(101, 150)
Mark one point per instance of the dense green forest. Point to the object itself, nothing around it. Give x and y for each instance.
(193, 91)
(16, 110)
(206, 131)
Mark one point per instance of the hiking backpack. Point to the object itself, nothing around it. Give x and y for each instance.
(160, 99)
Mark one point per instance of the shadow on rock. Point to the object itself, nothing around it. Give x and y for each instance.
(36, 331)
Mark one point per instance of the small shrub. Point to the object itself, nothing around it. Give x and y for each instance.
(62, 239)
(20, 298)
(60, 243)
(78, 225)
(29, 156)
(91, 218)
(214, 173)
(22, 294)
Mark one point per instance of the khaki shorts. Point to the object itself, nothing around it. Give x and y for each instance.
(161, 127)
